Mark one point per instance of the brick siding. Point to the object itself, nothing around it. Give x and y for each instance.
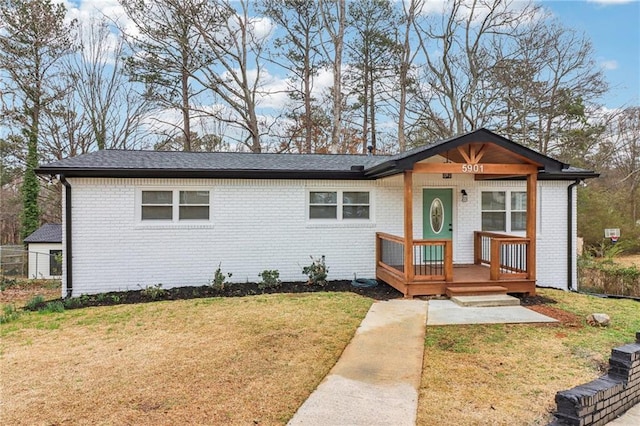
(602, 400)
(262, 224)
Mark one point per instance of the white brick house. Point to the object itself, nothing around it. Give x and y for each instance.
(139, 218)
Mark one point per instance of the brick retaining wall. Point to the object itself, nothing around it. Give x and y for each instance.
(604, 399)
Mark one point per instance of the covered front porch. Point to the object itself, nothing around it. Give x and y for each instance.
(498, 252)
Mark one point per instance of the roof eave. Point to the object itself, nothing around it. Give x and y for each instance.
(568, 176)
(206, 174)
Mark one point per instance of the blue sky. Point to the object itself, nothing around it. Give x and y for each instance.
(614, 29)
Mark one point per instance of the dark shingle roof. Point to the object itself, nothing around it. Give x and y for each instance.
(165, 164)
(47, 233)
(210, 164)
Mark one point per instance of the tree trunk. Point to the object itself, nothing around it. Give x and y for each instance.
(186, 119)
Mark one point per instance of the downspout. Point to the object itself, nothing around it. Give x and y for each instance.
(570, 234)
(67, 231)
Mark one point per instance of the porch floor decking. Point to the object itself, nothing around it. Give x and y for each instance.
(463, 275)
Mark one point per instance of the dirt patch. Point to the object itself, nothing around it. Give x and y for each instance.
(543, 305)
(567, 319)
(20, 291)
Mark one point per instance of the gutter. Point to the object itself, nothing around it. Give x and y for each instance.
(354, 173)
(67, 231)
(570, 234)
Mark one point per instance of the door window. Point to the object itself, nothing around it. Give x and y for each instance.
(436, 215)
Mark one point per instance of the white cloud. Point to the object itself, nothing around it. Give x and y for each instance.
(480, 10)
(609, 65)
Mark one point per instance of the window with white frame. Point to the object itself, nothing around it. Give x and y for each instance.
(504, 211)
(339, 205)
(174, 205)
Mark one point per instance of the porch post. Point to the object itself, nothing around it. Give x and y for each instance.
(532, 196)
(408, 226)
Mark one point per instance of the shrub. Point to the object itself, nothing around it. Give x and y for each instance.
(5, 283)
(76, 302)
(270, 279)
(51, 307)
(317, 272)
(609, 278)
(9, 313)
(35, 303)
(219, 279)
(153, 292)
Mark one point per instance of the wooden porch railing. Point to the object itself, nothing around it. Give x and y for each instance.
(506, 255)
(432, 260)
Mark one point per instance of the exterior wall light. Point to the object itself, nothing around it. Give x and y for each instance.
(465, 196)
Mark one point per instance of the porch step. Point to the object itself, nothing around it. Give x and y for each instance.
(486, 301)
(475, 290)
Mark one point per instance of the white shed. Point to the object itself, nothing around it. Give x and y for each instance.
(45, 251)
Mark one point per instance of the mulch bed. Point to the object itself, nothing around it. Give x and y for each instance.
(543, 305)
(380, 292)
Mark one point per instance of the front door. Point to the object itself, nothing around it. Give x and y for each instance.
(437, 219)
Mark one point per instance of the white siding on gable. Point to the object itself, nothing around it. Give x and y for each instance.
(40, 260)
(263, 224)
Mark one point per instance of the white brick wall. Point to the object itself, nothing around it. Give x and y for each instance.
(262, 224)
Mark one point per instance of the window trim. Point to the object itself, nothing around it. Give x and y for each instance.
(339, 206)
(507, 209)
(175, 207)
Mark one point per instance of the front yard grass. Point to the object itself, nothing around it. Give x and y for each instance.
(250, 360)
(509, 374)
(254, 360)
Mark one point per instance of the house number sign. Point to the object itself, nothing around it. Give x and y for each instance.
(472, 168)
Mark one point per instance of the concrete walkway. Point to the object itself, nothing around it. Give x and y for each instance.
(377, 378)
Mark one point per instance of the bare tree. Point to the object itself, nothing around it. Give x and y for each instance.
(110, 105)
(460, 51)
(405, 64)
(566, 82)
(234, 46)
(334, 18)
(510, 66)
(298, 51)
(625, 131)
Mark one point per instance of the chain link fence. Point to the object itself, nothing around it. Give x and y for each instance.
(16, 262)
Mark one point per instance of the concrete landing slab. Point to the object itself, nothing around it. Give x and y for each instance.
(486, 300)
(446, 312)
(377, 378)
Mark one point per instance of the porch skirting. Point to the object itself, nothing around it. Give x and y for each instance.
(463, 276)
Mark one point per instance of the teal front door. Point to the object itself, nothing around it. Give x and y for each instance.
(437, 221)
